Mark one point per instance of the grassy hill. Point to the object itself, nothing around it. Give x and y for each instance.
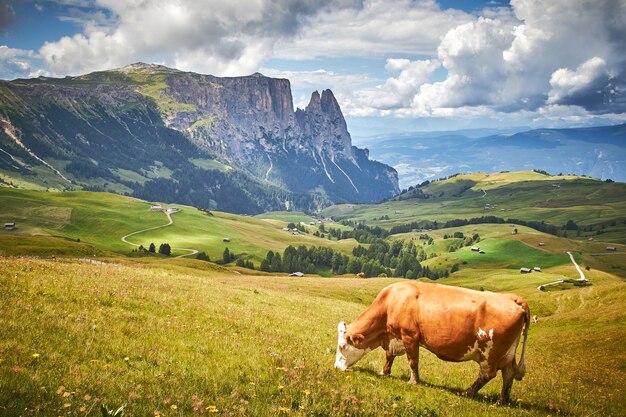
(523, 195)
(99, 220)
(172, 341)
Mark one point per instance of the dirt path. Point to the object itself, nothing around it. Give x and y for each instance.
(580, 271)
(169, 223)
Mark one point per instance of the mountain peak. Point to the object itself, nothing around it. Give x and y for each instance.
(144, 67)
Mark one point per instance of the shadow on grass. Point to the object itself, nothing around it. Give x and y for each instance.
(480, 398)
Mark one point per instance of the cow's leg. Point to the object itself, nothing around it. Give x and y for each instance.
(486, 374)
(507, 382)
(387, 368)
(412, 346)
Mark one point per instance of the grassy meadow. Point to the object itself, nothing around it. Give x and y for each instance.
(180, 341)
(101, 219)
(178, 336)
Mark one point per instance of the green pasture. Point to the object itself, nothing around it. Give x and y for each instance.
(523, 195)
(101, 219)
(508, 254)
(172, 341)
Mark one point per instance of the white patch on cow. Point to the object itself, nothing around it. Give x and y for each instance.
(396, 347)
(347, 355)
(474, 352)
(481, 333)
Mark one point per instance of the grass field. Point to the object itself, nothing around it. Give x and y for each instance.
(101, 219)
(523, 195)
(172, 341)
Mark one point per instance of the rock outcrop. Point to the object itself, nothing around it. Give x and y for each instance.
(250, 122)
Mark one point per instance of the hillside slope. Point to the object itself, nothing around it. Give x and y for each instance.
(169, 341)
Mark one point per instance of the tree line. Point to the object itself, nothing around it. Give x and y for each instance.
(381, 259)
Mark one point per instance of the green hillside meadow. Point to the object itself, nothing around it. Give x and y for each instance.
(174, 342)
(86, 323)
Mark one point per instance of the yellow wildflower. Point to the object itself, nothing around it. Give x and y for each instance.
(212, 409)
(36, 355)
(284, 409)
(174, 407)
(307, 392)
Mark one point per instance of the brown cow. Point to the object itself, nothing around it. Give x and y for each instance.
(456, 324)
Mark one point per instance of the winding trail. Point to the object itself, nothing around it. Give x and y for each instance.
(580, 271)
(169, 223)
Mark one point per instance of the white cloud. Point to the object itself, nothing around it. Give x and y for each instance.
(566, 82)
(398, 92)
(19, 63)
(223, 38)
(521, 62)
(379, 28)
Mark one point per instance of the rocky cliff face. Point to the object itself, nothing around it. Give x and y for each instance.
(163, 134)
(250, 122)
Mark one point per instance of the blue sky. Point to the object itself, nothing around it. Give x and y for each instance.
(403, 65)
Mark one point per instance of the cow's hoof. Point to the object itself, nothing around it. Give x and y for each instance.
(383, 373)
(413, 381)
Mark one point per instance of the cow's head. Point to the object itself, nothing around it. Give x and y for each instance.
(348, 350)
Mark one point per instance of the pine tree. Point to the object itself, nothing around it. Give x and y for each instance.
(152, 248)
(165, 249)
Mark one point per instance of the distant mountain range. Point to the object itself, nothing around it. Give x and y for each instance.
(598, 152)
(233, 144)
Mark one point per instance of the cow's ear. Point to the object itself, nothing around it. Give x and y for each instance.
(356, 339)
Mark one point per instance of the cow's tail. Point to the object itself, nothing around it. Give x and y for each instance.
(520, 368)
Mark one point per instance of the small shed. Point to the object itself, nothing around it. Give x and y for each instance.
(285, 229)
(611, 248)
(226, 239)
(475, 249)
(525, 270)
(537, 269)
(542, 244)
(9, 226)
(296, 274)
(156, 207)
(295, 233)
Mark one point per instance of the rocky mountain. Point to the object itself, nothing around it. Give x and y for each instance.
(158, 133)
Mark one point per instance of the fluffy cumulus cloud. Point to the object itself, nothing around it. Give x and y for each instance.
(378, 28)
(562, 52)
(222, 37)
(398, 92)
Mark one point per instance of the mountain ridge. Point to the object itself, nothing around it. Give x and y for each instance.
(146, 127)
